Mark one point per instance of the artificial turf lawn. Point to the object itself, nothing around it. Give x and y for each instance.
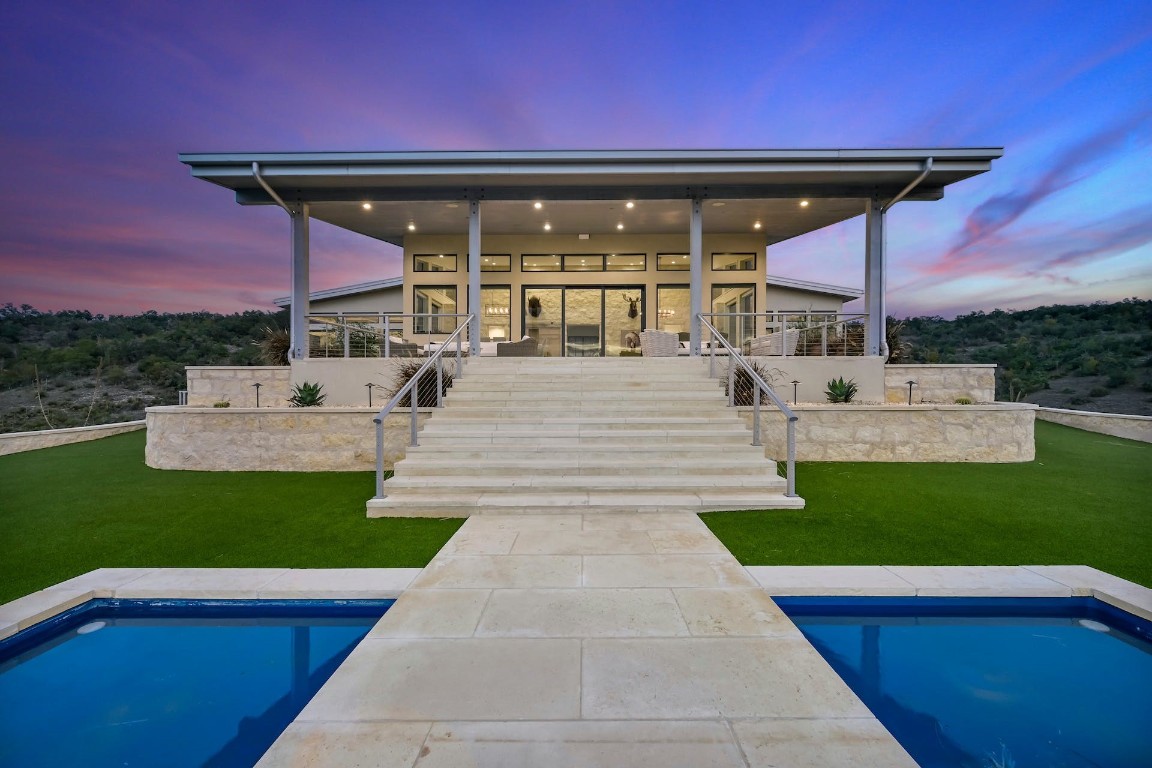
(1085, 500)
(68, 510)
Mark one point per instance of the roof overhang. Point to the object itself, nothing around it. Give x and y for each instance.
(405, 186)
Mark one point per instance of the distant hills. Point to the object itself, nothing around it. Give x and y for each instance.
(69, 368)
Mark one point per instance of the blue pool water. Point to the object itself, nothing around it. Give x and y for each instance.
(172, 683)
(994, 683)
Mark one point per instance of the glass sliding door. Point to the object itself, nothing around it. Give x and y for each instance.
(623, 315)
(584, 321)
(583, 314)
(544, 318)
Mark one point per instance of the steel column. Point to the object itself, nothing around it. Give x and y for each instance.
(696, 275)
(474, 277)
(874, 276)
(299, 315)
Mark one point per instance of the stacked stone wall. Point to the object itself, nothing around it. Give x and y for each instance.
(940, 383)
(208, 385)
(1001, 432)
(1115, 424)
(272, 439)
(18, 442)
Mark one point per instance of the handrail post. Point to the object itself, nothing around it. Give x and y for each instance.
(414, 396)
(791, 475)
(756, 414)
(379, 457)
(440, 381)
(387, 336)
(347, 337)
(731, 382)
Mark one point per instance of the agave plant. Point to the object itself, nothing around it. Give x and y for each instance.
(840, 391)
(307, 395)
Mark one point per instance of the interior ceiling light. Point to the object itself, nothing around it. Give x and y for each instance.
(537, 205)
(366, 206)
(547, 227)
(629, 204)
(803, 203)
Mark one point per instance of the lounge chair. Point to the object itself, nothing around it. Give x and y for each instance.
(403, 349)
(773, 344)
(659, 344)
(526, 347)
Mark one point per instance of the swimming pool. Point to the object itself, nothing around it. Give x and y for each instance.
(165, 682)
(994, 683)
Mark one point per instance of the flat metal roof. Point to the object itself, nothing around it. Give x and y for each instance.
(584, 186)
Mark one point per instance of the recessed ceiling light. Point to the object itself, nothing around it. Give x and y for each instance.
(453, 205)
(629, 204)
(803, 203)
(537, 205)
(411, 226)
(366, 206)
(756, 225)
(718, 204)
(547, 227)
(620, 226)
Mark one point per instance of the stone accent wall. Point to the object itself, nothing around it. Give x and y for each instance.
(940, 383)
(211, 384)
(18, 442)
(999, 432)
(1115, 424)
(271, 439)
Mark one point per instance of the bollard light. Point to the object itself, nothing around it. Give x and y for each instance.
(370, 385)
(794, 384)
(911, 384)
(257, 385)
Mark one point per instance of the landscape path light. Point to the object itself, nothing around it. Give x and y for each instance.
(257, 385)
(795, 382)
(911, 384)
(370, 385)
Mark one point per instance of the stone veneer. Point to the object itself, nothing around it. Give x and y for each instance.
(1115, 424)
(940, 383)
(208, 385)
(996, 432)
(271, 439)
(18, 442)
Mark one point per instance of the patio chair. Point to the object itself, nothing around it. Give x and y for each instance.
(403, 349)
(773, 344)
(526, 347)
(659, 344)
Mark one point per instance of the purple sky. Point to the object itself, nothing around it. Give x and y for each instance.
(98, 98)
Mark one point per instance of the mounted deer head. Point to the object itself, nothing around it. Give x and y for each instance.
(632, 302)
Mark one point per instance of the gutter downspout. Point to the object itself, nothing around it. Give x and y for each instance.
(282, 204)
(883, 210)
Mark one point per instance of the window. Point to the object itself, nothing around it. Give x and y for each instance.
(672, 262)
(430, 300)
(496, 262)
(539, 263)
(584, 262)
(495, 313)
(626, 262)
(733, 262)
(434, 262)
(736, 304)
(673, 309)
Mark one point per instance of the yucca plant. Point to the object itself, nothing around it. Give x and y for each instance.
(426, 389)
(274, 346)
(840, 391)
(743, 386)
(307, 395)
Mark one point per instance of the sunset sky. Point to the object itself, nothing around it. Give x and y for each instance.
(97, 213)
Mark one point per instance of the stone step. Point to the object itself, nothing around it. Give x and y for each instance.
(580, 453)
(591, 439)
(686, 397)
(751, 464)
(578, 425)
(486, 483)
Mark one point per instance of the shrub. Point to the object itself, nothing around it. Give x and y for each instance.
(307, 395)
(221, 404)
(840, 391)
(426, 397)
(963, 400)
(274, 346)
(743, 385)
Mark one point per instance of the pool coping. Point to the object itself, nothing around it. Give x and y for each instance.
(390, 583)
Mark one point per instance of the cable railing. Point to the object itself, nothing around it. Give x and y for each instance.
(792, 334)
(425, 389)
(747, 387)
(362, 334)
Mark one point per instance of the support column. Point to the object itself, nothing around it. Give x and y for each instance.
(696, 275)
(874, 277)
(474, 277)
(298, 320)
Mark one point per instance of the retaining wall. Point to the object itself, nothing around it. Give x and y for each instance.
(233, 384)
(996, 432)
(18, 442)
(1115, 424)
(271, 439)
(940, 383)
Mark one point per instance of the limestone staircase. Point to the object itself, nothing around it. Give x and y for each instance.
(587, 435)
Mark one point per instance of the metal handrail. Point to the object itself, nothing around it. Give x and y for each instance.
(758, 385)
(381, 325)
(436, 361)
(812, 322)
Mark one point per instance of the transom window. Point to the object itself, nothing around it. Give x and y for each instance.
(535, 262)
(672, 262)
(434, 262)
(733, 262)
(496, 262)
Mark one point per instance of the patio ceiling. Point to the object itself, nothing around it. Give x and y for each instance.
(586, 191)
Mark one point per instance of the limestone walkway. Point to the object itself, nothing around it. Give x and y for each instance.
(585, 640)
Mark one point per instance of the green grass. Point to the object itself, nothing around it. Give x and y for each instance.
(1085, 500)
(67, 510)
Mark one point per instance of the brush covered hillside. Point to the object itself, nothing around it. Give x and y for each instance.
(73, 368)
(1094, 357)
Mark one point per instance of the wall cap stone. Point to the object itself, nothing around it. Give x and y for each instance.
(1096, 414)
(998, 406)
(137, 424)
(284, 368)
(940, 365)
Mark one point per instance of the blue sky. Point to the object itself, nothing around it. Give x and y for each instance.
(97, 213)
